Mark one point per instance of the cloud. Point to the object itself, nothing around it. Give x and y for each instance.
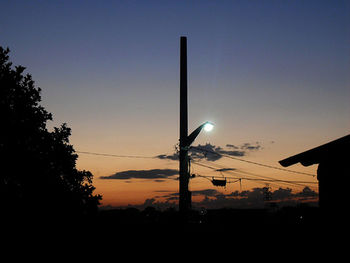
(155, 174)
(225, 169)
(171, 196)
(254, 198)
(307, 192)
(207, 151)
(213, 199)
(281, 193)
(206, 192)
(251, 147)
(238, 194)
(173, 157)
(211, 152)
(231, 146)
(220, 150)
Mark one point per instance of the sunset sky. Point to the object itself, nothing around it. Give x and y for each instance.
(272, 75)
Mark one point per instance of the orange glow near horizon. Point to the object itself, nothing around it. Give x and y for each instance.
(121, 193)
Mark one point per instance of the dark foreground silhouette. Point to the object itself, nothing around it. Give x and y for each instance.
(209, 220)
(39, 180)
(333, 176)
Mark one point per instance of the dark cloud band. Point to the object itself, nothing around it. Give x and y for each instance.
(211, 152)
(157, 174)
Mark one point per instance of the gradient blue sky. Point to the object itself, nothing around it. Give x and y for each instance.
(262, 71)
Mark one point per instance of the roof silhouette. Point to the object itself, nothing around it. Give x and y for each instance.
(336, 149)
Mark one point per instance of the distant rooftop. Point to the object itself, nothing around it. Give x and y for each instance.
(337, 149)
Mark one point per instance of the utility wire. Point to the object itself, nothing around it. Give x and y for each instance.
(199, 149)
(221, 168)
(264, 178)
(257, 179)
(117, 155)
(261, 179)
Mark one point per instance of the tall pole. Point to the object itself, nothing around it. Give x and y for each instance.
(185, 195)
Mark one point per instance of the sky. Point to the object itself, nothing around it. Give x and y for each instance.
(273, 76)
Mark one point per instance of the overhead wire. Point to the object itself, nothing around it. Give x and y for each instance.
(235, 172)
(260, 178)
(117, 155)
(221, 169)
(200, 149)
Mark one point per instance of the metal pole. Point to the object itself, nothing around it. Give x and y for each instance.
(185, 195)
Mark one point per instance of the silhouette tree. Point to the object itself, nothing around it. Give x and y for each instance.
(38, 167)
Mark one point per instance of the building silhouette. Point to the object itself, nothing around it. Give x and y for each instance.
(333, 176)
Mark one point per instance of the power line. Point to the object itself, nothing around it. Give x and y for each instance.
(117, 155)
(265, 178)
(235, 172)
(261, 179)
(199, 149)
(257, 179)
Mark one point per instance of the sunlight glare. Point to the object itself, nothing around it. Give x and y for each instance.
(208, 127)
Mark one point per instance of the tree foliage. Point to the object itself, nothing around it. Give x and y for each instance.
(38, 173)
